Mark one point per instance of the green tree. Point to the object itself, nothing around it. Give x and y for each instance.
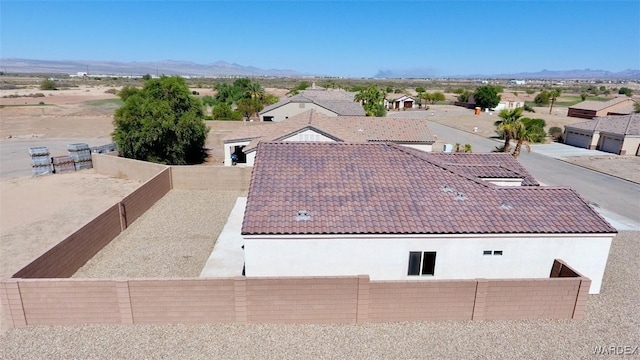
(303, 85)
(535, 127)
(127, 91)
(146, 77)
(625, 91)
(420, 90)
(223, 111)
(464, 96)
(48, 84)
(507, 126)
(523, 136)
(249, 107)
(542, 98)
(553, 96)
(372, 100)
(209, 100)
(636, 107)
(433, 98)
(530, 91)
(486, 96)
(161, 123)
(269, 99)
(254, 90)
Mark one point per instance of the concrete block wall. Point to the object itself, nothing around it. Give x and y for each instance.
(65, 258)
(211, 177)
(307, 300)
(184, 301)
(302, 300)
(69, 302)
(422, 300)
(125, 168)
(531, 298)
(140, 200)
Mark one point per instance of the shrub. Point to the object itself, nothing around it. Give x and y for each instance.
(529, 108)
(111, 91)
(195, 93)
(48, 84)
(625, 91)
(556, 133)
(37, 95)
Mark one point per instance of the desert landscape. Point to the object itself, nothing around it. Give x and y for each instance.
(38, 212)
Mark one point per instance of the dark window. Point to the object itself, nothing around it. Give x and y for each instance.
(421, 263)
(428, 263)
(497, 252)
(414, 263)
(486, 252)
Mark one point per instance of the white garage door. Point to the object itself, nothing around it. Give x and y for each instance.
(577, 139)
(611, 144)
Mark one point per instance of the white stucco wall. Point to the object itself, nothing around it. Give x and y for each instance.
(386, 258)
(423, 147)
(293, 109)
(309, 135)
(228, 150)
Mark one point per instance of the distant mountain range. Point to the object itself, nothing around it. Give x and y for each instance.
(222, 68)
(167, 67)
(544, 74)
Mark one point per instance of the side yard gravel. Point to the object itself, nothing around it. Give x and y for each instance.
(172, 239)
(613, 319)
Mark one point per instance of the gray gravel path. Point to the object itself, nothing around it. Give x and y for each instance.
(172, 239)
(613, 318)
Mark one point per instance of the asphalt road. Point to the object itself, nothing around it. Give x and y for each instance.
(617, 199)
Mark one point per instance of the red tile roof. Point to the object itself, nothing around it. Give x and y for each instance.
(388, 189)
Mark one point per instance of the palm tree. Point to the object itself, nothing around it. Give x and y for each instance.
(523, 136)
(255, 91)
(372, 99)
(508, 125)
(553, 96)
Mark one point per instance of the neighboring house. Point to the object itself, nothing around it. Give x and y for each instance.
(618, 134)
(313, 126)
(509, 102)
(399, 102)
(621, 105)
(517, 82)
(394, 213)
(328, 102)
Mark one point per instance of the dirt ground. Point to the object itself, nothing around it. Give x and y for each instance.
(38, 212)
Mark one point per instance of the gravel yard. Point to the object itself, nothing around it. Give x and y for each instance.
(172, 239)
(613, 318)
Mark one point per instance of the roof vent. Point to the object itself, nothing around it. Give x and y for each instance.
(361, 130)
(447, 189)
(303, 215)
(459, 197)
(505, 206)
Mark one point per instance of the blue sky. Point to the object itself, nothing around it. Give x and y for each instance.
(336, 38)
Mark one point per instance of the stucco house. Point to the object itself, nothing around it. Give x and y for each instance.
(399, 102)
(328, 102)
(621, 105)
(314, 126)
(395, 213)
(618, 134)
(509, 102)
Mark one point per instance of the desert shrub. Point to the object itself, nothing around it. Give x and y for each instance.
(111, 91)
(127, 91)
(195, 93)
(625, 91)
(535, 128)
(37, 95)
(209, 100)
(528, 108)
(556, 133)
(530, 91)
(542, 98)
(47, 84)
(223, 111)
(41, 103)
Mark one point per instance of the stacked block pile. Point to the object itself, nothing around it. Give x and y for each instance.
(103, 149)
(81, 155)
(40, 161)
(63, 164)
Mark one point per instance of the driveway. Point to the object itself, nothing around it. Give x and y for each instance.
(561, 151)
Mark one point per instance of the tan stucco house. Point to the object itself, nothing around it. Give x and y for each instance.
(241, 146)
(618, 134)
(327, 102)
(399, 102)
(621, 105)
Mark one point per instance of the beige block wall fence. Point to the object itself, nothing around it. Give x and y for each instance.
(42, 293)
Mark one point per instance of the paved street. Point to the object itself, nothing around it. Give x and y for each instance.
(618, 199)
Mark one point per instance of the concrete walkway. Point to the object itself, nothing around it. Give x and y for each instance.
(227, 257)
